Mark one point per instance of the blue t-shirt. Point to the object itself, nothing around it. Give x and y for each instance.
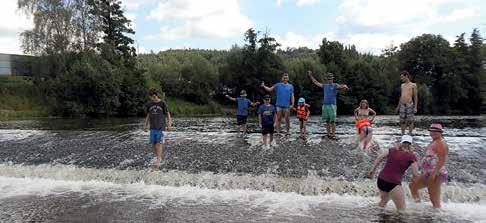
(243, 104)
(330, 91)
(284, 94)
(267, 113)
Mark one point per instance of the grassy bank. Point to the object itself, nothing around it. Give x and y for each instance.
(18, 99)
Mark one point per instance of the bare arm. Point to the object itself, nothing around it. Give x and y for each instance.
(378, 161)
(292, 101)
(373, 114)
(253, 104)
(169, 121)
(415, 169)
(260, 120)
(269, 89)
(343, 86)
(317, 83)
(441, 155)
(356, 113)
(231, 98)
(146, 123)
(415, 98)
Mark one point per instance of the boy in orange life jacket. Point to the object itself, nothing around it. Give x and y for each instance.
(303, 114)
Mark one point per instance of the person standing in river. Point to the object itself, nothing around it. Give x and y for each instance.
(285, 100)
(329, 109)
(390, 178)
(433, 168)
(243, 104)
(266, 119)
(158, 119)
(363, 122)
(407, 106)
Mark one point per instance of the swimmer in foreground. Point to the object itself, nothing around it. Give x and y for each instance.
(432, 167)
(363, 122)
(390, 178)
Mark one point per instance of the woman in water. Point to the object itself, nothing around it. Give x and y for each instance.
(363, 122)
(433, 167)
(390, 178)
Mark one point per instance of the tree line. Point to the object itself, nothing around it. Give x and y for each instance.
(87, 65)
(450, 78)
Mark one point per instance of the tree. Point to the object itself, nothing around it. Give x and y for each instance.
(116, 45)
(427, 58)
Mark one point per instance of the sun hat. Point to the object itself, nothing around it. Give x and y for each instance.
(330, 76)
(243, 93)
(301, 100)
(436, 127)
(407, 138)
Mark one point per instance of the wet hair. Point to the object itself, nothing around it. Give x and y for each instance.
(404, 73)
(152, 91)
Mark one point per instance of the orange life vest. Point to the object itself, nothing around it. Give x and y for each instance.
(362, 123)
(302, 111)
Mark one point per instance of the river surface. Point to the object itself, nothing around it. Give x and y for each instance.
(99, 170)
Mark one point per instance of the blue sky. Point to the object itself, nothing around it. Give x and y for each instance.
(371, 25)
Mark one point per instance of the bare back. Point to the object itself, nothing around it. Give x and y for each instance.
(407, 92)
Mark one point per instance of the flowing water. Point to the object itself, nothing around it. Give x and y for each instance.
(57, 170)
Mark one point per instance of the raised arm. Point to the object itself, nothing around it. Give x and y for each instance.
(343, 86)
(253, 104)
(231, 98)
(269, 89)
(317, 83)
(378, 161)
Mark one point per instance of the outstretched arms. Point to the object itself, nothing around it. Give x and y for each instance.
(231, 98)
(317, 83)
(269, 89)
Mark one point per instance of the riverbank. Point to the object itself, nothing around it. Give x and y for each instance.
(18, 100)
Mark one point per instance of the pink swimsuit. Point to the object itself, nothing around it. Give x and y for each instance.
(430, 161)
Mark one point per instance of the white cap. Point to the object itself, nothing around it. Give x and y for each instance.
(407, 138)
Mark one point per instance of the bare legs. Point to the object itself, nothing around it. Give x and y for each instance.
(396, 195)
(158, 154)
(433, 187)
(279, 120)
(265, 139)
(405, 124)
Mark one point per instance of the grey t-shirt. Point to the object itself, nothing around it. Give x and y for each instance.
(157, 113)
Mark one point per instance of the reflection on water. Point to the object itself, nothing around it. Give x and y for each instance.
(77, 170)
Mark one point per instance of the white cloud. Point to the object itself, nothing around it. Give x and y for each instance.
(461, 14)
(200, 19)
(365, 42)
(14, 22)
(301, 3)
(295, 40)
(298, 3)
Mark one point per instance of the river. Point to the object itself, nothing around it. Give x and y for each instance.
(98, 170)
